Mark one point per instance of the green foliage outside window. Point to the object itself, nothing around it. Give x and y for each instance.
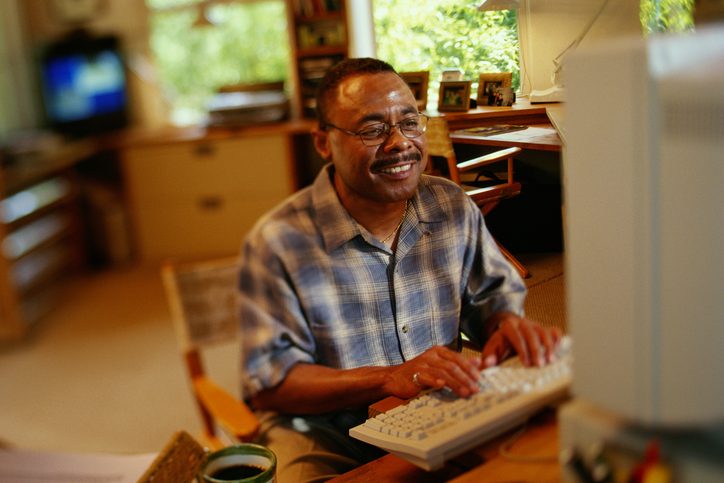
(666, 16)
(248, 43)
(415, 35)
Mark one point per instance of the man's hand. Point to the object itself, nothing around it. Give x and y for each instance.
(437, 367)
(534, 344)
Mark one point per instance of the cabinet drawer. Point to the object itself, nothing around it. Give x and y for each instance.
(247, 166)
(256, 166)
(188, 232)
(198, 200)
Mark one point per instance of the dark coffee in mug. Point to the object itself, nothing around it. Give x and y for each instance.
(238, 472)
(242, 463)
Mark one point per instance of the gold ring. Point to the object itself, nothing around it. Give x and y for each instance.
(414, 378)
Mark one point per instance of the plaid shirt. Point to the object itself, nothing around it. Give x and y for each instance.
(317, 287)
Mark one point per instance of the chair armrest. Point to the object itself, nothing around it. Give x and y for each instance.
(493, 193)
(229, 411)
(488, 159)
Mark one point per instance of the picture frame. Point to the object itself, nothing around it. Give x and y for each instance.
(419, 83)
(454, 96)
(489, 81)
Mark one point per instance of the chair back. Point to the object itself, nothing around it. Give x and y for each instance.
(439, 144)
(203, 301)
(204, 304)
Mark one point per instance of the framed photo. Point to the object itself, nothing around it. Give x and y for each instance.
(487, 83)
(418, 82)
(454, 96)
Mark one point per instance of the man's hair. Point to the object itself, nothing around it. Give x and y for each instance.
(341, 72)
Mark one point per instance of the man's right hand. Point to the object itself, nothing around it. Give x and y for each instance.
(314, 389)
(437, 367)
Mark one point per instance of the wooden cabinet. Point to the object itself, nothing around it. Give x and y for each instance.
(319, 37)
(42, 239)
(197, 199)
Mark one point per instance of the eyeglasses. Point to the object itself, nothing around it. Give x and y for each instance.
(376, 134)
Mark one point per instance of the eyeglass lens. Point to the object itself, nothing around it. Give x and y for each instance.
(410, 128)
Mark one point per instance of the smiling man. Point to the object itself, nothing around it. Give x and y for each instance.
(359, 286)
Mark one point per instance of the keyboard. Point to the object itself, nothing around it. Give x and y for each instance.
(437, 425)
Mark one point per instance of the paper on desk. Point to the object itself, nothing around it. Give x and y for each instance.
(45, 467)
(530, 135)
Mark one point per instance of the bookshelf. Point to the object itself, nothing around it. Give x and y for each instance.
(41, 240)
(319, 41)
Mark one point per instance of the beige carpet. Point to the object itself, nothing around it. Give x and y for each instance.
(102, 373)
(546, 289)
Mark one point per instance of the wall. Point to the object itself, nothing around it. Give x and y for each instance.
(18, 107)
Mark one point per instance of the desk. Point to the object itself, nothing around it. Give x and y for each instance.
(542, 137)
(481, 465)
(544, 121)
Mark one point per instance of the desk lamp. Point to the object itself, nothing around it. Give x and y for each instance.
(492, 5)
(555, 93)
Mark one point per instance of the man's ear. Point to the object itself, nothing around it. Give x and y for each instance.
(322, 143)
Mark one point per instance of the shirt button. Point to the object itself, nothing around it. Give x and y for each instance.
(405, 329)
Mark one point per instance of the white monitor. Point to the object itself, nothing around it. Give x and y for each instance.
(644, 202)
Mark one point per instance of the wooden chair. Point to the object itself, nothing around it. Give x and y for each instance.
(204, 309)
(488, 197)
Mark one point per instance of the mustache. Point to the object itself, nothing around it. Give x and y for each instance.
(392, 160)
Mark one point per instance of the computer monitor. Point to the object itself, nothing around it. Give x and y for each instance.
(84, 86)
(643, 178)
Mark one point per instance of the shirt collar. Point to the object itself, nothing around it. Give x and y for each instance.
(336, 225)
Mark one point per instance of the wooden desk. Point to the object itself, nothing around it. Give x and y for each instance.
(542, 137)
(481, 465)
(544, 123)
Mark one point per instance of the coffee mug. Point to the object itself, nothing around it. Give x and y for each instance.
(242, 463)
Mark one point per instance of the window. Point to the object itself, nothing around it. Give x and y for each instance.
(435, 35)
(199, 47)
(667, 16)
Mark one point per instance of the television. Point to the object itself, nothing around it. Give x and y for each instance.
(84, 86)
(643, 177)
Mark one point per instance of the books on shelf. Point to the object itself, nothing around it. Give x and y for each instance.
(329, 33)
(307, 8)
(315, 67)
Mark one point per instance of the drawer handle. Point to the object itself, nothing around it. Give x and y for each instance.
(204, 150)
(210, 203)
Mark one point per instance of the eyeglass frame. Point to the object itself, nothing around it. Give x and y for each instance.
(388, 129)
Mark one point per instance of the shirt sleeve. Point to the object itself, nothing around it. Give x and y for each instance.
(275, 335)
(492, 283)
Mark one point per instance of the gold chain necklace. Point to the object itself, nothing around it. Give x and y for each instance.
(384, 242)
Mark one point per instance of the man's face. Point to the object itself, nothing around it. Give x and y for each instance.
(388, 172)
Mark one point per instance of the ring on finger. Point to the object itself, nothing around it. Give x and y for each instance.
(414, 378)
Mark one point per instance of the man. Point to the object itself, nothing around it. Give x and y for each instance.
(357, 287)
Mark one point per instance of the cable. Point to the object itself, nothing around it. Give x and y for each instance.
(558, 61)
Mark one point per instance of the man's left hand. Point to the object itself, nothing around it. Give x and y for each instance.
(534, 344)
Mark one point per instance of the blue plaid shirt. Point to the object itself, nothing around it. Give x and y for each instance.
(317, 287)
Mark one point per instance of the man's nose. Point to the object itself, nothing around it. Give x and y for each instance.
(396, 140)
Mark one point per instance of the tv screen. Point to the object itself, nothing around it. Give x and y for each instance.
(84, 86)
